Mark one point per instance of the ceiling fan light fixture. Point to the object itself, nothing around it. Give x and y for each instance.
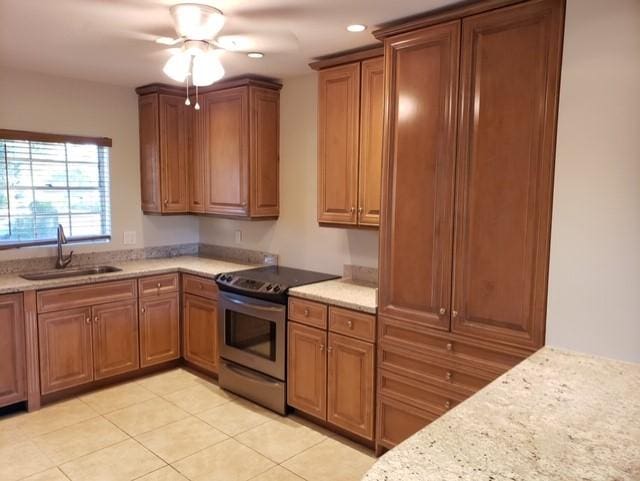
(196, 21)
(177, 67)
(207, 69)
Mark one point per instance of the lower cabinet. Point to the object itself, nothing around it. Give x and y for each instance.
(331, 376)
(115, 339)
(159, 330)
(12, 350)
(200, 331)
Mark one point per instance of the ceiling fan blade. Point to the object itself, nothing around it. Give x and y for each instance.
(168, 41)
(259, 41)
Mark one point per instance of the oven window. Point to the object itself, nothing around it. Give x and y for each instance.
(251, 334)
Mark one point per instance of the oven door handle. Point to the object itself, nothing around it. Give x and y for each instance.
(255, 306)
(246, 373)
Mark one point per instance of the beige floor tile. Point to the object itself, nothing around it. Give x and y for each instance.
(53, 474)
(170, 381)
(164, 474)
(124, 461)
(117, 397)
(199, 397)
(181, 439)
(146, 416)
(54, 417)
(80, 439)
(280, 439)
(278, 473)
(332, 460)
(10, 432)
(236, 416)
(228, 461)
(20, 460)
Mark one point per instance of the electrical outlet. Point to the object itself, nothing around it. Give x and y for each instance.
(129, 237)
(270, 259)
(238, 237)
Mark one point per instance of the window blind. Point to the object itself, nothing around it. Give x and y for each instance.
(46, 183)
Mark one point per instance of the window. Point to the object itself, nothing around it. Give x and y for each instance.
(46, 180)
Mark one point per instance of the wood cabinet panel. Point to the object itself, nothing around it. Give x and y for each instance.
(200, 335)
(200, 286)
(338, 135)
(227, 155)
(175, 150)
(350, 387)
(154, 286)
(265, 152)
(371, 126)
(307, 369)
(86, 295)
(149, 153)
(159, 329)
(307, 312)
(397, 421)
(510, 60)
(66, 356)
(197, 172)
(115, 338)
(13, 377)
(418, 184)
(352, 323)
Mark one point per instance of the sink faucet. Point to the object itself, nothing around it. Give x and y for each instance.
(62, 261)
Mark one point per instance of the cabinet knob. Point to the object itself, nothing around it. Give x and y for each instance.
(306, 312)
(321, 347)
(350, 324)
(244, 204)
(449, 346)
(95, 319)
(166, 201)
(143, 310)
(353, 209)
(329, 349)
(454, 313)
(360, 209)
(447, 405)
(159, 285)
(88, 320)
(442, 311)
(448, 376)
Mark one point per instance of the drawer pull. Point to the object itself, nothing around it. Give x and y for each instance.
(350, 324)
(306, 312)
(449, 346)
(448, 376)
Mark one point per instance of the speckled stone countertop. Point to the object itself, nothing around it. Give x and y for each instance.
(341, 292)
(558, 416)
(194, 265)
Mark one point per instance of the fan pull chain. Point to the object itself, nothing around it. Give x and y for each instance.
(187, 102)
(197, 105)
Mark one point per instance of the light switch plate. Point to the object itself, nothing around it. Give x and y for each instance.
(238, 236)
(129, 237)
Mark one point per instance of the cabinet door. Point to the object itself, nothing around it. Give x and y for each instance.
(149, 153)
(417, 189)
(159, 330)
(338, 133)
(510, 74)
(66, 357)
(307, 370)
(200, 324)
(265, 152)
(115, 338)
(371, 125)
(174, 153)
(350, 388)
(227, 156)
(12, 350)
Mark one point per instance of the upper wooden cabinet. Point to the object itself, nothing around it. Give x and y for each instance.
(220, 160)
(350, 120)
(490, 280)
(12, 350)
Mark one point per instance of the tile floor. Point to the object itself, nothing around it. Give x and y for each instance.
(173, 426)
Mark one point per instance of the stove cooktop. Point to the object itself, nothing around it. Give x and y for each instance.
(269, 282)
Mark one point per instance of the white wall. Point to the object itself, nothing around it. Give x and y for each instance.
(296, 236)
(41, 103)
(594, 286)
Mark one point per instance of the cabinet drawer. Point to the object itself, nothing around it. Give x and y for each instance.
(418, 394)
(449, 346)
(87, 295)
(428, 368)
(308, 312)
(352, 323)
(154, 286)
(397, 421)
(199, 286)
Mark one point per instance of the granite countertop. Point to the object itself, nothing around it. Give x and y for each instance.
(193, 265)
(556, 416)
(341, 292)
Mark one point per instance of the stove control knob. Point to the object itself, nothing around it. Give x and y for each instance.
(269, 287)
(229, 278)
(276, 289)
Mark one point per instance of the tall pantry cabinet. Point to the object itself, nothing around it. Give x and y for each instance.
(466, 204)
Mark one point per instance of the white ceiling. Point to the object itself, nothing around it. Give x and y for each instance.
(111, 41)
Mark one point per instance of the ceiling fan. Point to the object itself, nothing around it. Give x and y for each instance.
(198, 58)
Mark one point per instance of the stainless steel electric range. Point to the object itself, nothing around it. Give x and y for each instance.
(252, 321)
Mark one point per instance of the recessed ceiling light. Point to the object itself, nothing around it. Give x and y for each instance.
(357, 27)
(255, 55)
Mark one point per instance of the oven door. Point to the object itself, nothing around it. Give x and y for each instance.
(252, 333)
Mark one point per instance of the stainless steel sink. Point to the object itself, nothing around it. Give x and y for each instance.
(69, 272)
